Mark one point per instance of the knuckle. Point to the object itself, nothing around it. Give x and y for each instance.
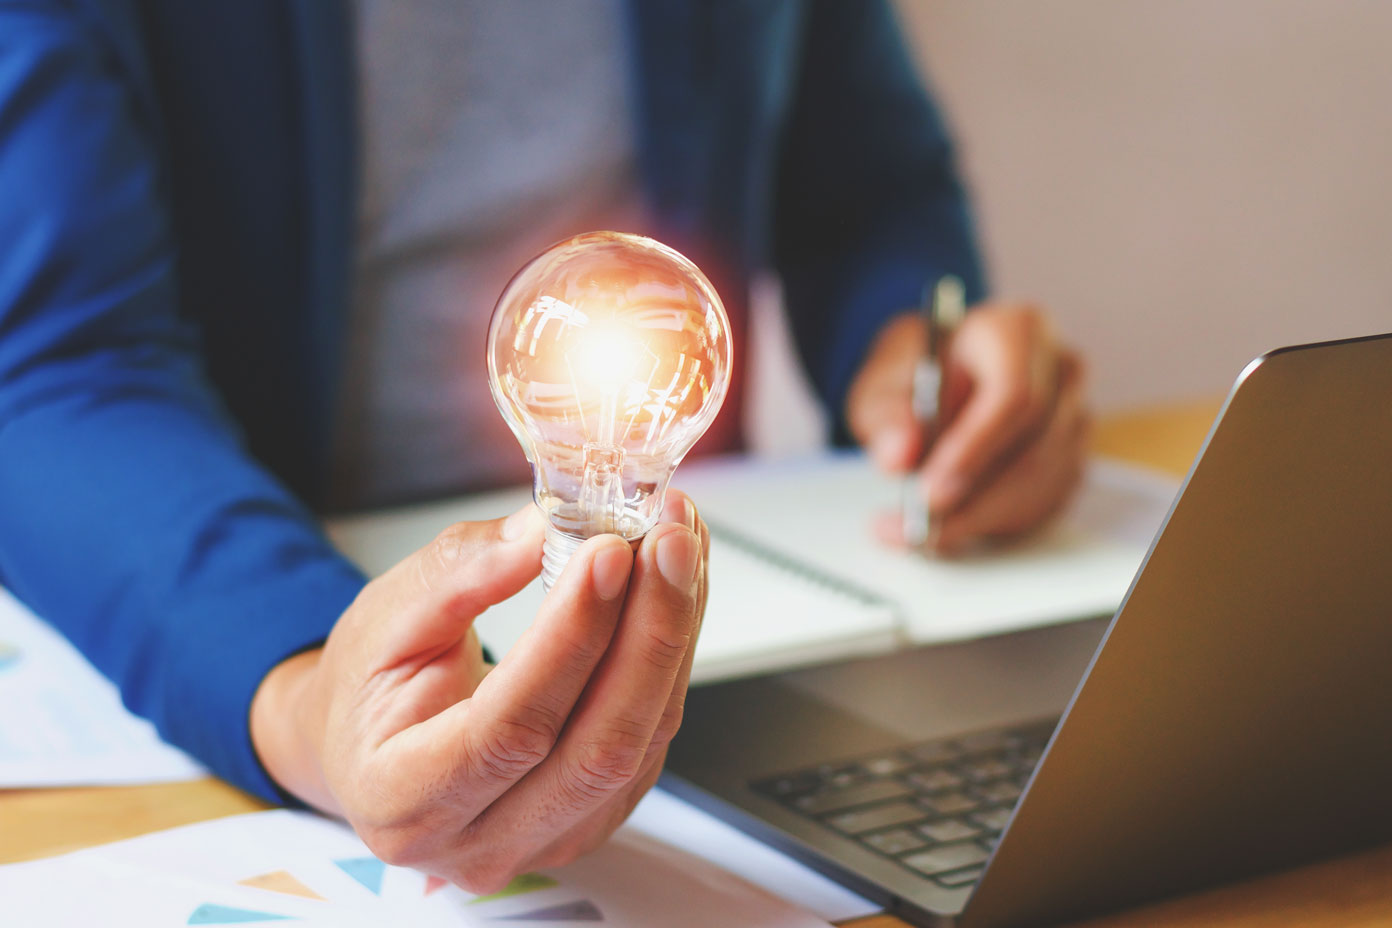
(487, 874)
(1032, 318)
(607, 765)
(443, 554)
(514, 746)
(563, 852)
(396, 846)
(671, 723)
(450, 544)
(1015, 401)
(1019, 521)
(1029, 320)
(665, 646)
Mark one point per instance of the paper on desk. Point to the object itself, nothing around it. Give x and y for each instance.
(62, 723)
(816, 510)
(667, 818)
(279, 866)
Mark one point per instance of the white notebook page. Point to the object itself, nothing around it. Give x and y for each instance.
(818, 510)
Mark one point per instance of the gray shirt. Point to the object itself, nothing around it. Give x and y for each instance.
(490, 130)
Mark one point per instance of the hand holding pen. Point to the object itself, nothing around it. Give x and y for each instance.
(997, 441)
(944, 305)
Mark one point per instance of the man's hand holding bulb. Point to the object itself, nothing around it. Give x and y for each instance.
(477, 773)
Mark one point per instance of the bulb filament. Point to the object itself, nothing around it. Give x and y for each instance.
(601, 489)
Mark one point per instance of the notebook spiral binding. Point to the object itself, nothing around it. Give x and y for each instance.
(800, 569)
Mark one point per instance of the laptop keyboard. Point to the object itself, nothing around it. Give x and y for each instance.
(935, 809)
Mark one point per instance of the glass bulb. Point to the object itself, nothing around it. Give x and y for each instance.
(608, 355)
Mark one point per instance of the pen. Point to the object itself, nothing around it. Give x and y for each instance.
(943, 305)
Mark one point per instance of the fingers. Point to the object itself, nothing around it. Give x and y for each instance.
(560, 740)
(606, 750)
(879, 406)
(1035, 483)
(592, 831)
(1008, 355)
(477, 749)
(682, 511)
(610, 732)
(433, 596)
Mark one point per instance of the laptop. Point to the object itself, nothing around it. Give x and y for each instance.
(1233, 717)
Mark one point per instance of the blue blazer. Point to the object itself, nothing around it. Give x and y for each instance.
(176, 212)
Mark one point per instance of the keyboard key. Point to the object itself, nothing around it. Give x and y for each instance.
(869, 819)
(945, 857)
(935, 780)
(950, 803)
(948, 829)
(990, 769)
(841, 777)
(960, 877)
(895, 841)
(935, 752)
(863, 794)
(988, 742)
(791, 785)
(999, 791)
(887, 765)
(992, 819)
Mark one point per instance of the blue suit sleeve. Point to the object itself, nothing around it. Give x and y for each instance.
(868, 206)
(130, 515)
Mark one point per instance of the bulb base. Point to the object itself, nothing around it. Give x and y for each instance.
(556, 551)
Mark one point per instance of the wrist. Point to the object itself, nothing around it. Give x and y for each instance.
(284, 732)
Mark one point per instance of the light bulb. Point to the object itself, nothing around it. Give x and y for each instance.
(609, 356)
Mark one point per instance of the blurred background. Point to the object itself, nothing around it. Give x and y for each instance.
(1183, 184)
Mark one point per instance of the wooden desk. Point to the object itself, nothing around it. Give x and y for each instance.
(1351, 891)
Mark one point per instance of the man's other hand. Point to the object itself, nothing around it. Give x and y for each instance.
(1013, 434)
(477, 773)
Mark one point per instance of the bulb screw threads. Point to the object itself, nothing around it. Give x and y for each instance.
(555, 554)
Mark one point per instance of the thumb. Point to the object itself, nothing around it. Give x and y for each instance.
(433, 596)
(879, 408)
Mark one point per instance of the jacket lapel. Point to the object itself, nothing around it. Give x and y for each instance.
(669, 50)
(328, 115)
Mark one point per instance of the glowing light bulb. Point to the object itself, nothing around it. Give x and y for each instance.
(608, 355)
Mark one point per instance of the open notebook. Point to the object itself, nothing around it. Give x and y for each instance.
(797, 578)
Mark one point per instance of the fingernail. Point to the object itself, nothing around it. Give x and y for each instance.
(610, 571)
(515, 525)
(676, 558)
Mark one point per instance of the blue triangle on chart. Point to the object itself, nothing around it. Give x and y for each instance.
(582, 910)
(366, 870)
(211, 914)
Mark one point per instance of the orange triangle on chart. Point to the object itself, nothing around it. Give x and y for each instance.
(280, 881)
(433, 883)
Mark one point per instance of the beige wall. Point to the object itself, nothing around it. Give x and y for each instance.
(1185, 184)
